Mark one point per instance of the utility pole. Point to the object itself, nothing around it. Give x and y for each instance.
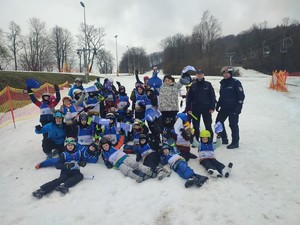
(85, 48)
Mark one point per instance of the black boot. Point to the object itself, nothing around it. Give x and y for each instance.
(233, 145)
(38, 193)
(191, 181)
(224, 141)
(62, 188)
(201, 180)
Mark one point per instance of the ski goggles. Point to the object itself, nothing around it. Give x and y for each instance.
(58, 114)
(70, 140)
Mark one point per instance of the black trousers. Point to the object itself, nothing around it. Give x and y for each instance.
(207, 120)
(212, 164)
(48, 145)
(152, 160)
(169, 118)
(69, 178)
(233, 124)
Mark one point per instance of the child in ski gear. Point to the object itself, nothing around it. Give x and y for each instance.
(168, 98)
(150, 157)
(207, 156)
(122, 103)
(90, 155)
(180, 166)
(46, 105)
(86, 131)
(139, 128)
(138, 98)
(112, 132)
(56, 134)
(113, 157)
(183, 132)
(77, 85)
(230, 105)
(70, 174)
(70, 111)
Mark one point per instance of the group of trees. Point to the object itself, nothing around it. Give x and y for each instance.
(42, 50)
(260, 48)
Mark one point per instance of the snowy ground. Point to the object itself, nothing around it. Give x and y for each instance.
(262, 189)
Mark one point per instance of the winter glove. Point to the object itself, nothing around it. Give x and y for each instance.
(108, 165)
(69, 165)
(118, 83)
(38, 127)
(82, 163)
(56, 88)
(184, 134)
(29, 91)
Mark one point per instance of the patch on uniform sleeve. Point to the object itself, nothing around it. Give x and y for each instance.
(240, 89)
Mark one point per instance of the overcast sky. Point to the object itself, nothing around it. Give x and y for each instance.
(144, 23)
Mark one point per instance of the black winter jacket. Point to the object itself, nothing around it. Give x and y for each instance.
(201, 96)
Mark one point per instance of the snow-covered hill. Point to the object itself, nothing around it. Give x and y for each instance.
(262, 189)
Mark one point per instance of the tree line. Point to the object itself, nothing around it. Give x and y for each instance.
(261, 48)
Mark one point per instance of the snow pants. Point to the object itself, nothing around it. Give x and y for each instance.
(233, 124)
(48, 145)
(212, 164)
(129, 165)
(152, 160)
(69, 178)
(184, 170)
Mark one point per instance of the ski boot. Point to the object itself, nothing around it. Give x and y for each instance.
(227, 170)
(191, 181)
(214, 173)
(201, 180)
(38, 193)
(62, 188)
(233, 145)
(142, 177)
(151, 173)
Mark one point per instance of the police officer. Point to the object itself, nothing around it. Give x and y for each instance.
(201, 100)
(230, 105)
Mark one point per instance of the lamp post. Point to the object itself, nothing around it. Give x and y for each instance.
(116, 37)
(85, 48)
(128, 61)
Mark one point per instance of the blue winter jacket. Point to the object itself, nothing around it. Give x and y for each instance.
(56, 133)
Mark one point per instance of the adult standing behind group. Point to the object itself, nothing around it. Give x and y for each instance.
(168, 100)
(201, 100)
(230, 105)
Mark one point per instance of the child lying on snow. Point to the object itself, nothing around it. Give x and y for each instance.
(207, 156)
(180, 166)
(113, 157)
(70, 175)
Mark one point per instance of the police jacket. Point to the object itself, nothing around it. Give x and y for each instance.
(231, 95)
(201, 96)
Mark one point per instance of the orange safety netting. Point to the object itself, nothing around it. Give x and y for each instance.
(16, 105)
(278, 81)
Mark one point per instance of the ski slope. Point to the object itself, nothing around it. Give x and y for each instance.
(263, 188)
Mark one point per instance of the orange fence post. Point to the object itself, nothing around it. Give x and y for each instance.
(10, 105)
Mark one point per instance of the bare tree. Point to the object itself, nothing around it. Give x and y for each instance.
(14, 38)
(4, 55)
(37, 50)
(61, 44)
(104, 61)
(287, 21)
(95, 41)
